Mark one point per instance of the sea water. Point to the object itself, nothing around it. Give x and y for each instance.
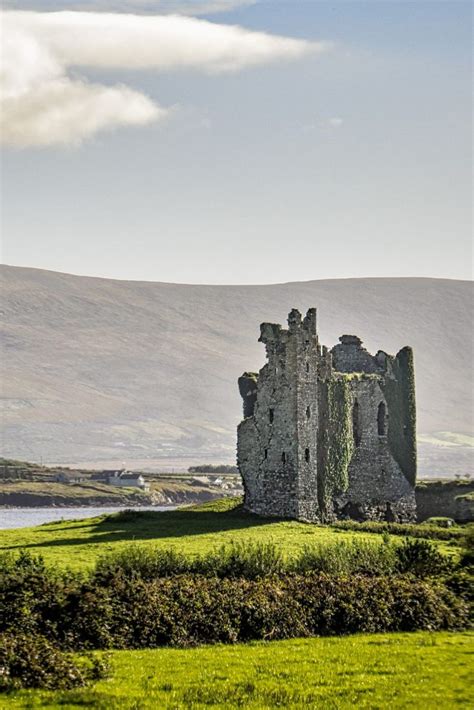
(27, 517)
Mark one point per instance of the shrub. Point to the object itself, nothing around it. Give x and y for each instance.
(146, 563)
(31, 595)
(250, 561)
(442, 522)
(421, 558)
(29, 661)
(354, 557)
(425, 530)
(467, 557)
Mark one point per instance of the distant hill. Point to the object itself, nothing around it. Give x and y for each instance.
(99, 371)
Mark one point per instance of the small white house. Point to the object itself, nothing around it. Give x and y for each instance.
(128, 479)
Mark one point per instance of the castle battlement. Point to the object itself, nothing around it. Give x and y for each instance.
(327, 433)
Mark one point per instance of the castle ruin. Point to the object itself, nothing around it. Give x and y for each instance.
(327, 434)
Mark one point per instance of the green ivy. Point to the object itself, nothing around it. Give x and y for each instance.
(336, 443)
(399, 392)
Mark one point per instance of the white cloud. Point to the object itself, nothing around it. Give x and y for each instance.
(43, 105)
(155, 7)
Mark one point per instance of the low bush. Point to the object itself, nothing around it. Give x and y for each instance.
(422, 559)
(32, 595)
(467, 557)
(354, 557)
(31, 661)
(440, 521)
(250, 561)
(253, 561)
(425, 530)
(144, 562)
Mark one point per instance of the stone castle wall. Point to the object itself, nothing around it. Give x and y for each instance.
(284, 441)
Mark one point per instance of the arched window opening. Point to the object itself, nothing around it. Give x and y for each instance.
(381, 419)
(308, 412)
(306, 455)
(307, 367)
(266, 453)
(270, 415)
(283, 457)
(356, 423)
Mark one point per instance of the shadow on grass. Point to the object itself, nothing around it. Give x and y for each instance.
(133, 525)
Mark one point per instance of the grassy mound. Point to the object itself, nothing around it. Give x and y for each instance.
(194, 530)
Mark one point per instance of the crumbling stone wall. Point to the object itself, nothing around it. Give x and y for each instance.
(315, 442)
(451, 499)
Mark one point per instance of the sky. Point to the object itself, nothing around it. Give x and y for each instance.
(214, 141)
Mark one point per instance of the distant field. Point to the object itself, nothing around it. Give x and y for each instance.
(420, 670)
(78, 544)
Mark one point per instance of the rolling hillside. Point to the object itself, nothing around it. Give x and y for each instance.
(96, 371)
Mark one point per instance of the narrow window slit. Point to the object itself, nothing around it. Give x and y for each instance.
(381, 412)
(356, 423)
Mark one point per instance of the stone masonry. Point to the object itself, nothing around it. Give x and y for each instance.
(327, 434)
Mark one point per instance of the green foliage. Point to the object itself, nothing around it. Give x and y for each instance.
(399, 392)
(336, 443)
(467, 558)
(31, 661)
(352, 557)
(138, 601)
(429, 531)
(421, 558)
(441, 521)
(143, 562)
(251, 561)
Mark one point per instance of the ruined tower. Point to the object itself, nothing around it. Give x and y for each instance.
(327, 434)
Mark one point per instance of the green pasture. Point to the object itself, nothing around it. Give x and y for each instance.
(420, 670)
(197, 530)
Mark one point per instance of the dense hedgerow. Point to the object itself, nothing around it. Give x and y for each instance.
(31, 661)
(123, 608)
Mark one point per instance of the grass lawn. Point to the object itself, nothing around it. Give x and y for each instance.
(78, 544)
(421, 670)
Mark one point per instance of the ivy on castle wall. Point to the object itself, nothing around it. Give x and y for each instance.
(336, 442)
(399, 392)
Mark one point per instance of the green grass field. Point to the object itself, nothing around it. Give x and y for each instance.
(78, 544)
(420, 670)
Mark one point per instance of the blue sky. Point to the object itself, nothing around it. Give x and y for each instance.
(352, 161)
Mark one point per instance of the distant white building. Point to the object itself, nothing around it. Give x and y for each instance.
(128, 479)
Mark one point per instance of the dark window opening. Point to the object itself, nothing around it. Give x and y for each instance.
(308, 412)
(283, 457)
(381, 419)
(307, 367)
(356, 424)
(266, 453)
(270, 415)
(306, 455)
